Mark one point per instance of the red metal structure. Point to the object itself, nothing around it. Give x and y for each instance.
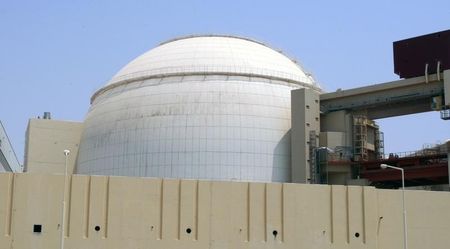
(420, 169)
(426, 54)
(425, 167)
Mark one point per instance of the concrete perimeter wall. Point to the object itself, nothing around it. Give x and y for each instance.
(166, 213)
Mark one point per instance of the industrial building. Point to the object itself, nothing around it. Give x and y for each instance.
(222, 142)
(8, 159)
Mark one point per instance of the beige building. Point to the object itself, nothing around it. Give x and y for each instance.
(45, 141)
(8, 159)
(345, 145)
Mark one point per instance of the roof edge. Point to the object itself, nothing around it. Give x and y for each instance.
(312, 85)
(213, 35)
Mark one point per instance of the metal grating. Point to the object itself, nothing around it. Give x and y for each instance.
(445, 114)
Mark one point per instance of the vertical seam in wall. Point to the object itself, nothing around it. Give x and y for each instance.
(265, 212)
(196, 203)
(248, 211)
(87, 207)
(348, 213)
(9, 212)
(67, 228)
(210, 215)
(331, 215)
(363, 214)
(282, 214)
(161, 208)
(106, 208)
(179, 210)
(377, 240)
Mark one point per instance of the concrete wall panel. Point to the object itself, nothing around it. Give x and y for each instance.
(173, 213)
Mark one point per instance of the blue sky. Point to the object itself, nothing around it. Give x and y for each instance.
(55, 54)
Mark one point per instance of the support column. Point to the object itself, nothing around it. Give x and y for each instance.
(448, 162)
(448, 167)
(305, 109)
(447, 88)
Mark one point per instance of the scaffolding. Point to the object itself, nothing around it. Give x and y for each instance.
(313, 169)
(322, 158)
(368, 140)
(379, 144)
(360, 152)
(445, 114)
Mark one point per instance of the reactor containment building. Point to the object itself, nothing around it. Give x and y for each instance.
(206, 107)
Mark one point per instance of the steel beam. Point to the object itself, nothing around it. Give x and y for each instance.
(425, 172)
(389, 99)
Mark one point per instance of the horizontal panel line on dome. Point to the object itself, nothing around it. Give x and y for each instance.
(189, 72)
(194, 131)
(168, 159)
(201, 78)
(178, 166)
(202, 147)
(261, 135)
(232, 89)
(226, 87)
(198, 108)
(271, 135)
(214, 69)
(241, 93)
(114, 91)
(244, 99)
(277, 79)
(280, 103)
(142, 116)
(193, 141)
(161, 114)
(259, 129)
(199, 160)
(155, 130)
(201, 136)
(260, 160)
(245, 109)
(251, 146)
(263, 163)
(156, 154)
(196, 142)
(203, 144)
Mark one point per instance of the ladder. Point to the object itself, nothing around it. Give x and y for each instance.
(312, 157)
(379, 144)
(360, 152)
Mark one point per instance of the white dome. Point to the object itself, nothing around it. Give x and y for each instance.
(212, 107)
(212, 54)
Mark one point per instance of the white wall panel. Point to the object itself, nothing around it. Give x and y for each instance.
(234, 129)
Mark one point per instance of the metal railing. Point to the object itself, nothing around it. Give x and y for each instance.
(438, 150)
(424, 152)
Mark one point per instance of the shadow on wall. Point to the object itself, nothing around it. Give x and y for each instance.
(281, 169)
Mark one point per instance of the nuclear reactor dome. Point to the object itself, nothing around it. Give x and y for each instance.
(203, 107)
